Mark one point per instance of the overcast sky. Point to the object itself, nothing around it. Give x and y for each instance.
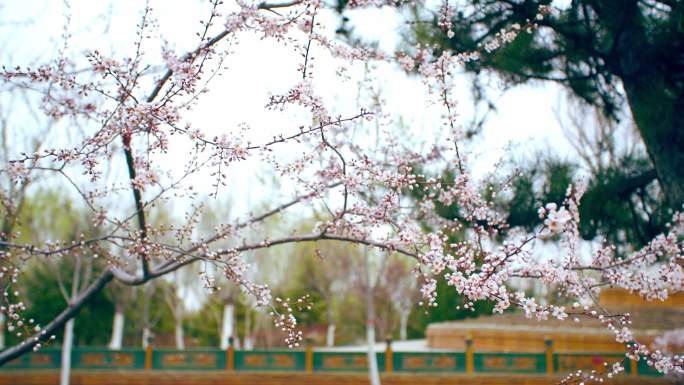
(30, 33)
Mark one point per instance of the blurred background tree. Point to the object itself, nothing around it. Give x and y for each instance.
(622, 64)
(623, 60)
(50, 215)
(611, 54)
(623, 202)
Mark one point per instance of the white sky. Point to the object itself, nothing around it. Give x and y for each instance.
(31, 33)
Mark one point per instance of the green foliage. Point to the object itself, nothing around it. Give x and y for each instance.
(310, 277)
(525, 54)
(605, 53)
(449, 308)
(621, 203)
(49, 215)
(523, 204)
(160, 316)
(92, 326)
(204, 325)
(558, 176)
(581, 45)
(555, 177)
(317, 314)
(351, 320)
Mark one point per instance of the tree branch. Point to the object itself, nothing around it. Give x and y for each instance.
(58, 322)
(137, 197)
(193, 54)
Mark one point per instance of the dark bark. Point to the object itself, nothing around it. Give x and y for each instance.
(651, 66)
(659, 115)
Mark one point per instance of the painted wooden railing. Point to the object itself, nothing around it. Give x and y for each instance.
(310, 360)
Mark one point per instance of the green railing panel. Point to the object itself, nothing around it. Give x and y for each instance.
(200, 359)
(260, 360)
(644, 369)
(289, 360)
(428, 362)
(509, 362)
(43, 359)
(344, 361)
(103, 358)
(566, 362)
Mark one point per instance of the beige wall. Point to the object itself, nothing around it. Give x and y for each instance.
(508, 339)
(619, 298)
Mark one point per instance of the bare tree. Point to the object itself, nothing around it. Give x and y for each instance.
(331, 279)
(370, 321)
(81, 277)
(402, 290)
(177, 293)
(229, 294)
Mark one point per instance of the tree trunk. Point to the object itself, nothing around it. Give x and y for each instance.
(660, 118)
(370, 328)
(2, 331)
(403, 323)
(117, 329)
(67, 344)
(227, 328)
(178, 315)
(330, 336)
(148, 290)
(653, 83)
(180, 341)
(146, 334)
(372, 360)
(248, 345)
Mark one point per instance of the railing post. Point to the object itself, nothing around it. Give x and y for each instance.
(230, 355)
(148, 357)
(549, 356)
(633, 364)
(470, 357)
(308, 363)
(388, 357)
(633, 368)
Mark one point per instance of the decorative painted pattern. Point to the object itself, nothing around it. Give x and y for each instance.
(565, 362)
(189, 359)
(44, 359)
(108, 359)
(270, 360)
(335, 361)
(428, 362)
(510, 362)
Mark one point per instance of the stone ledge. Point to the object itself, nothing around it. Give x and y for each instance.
(51, 377)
